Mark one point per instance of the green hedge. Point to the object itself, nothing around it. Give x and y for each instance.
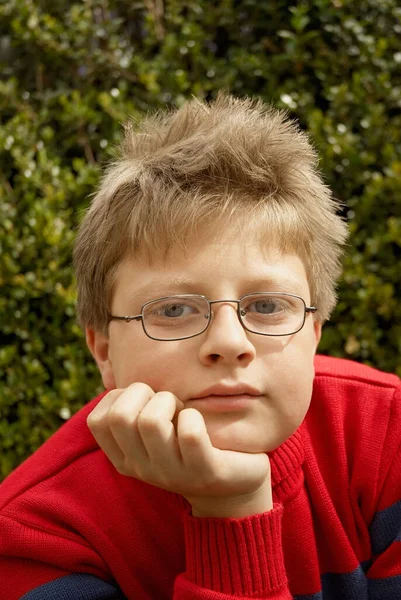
(73, 71)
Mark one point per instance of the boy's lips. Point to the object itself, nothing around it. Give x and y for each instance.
(222, 390)
(225, 398)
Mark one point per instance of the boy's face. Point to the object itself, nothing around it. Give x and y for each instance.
(280, 369)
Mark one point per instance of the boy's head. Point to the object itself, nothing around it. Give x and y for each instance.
(221, 200)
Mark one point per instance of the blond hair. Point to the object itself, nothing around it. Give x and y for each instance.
(232, 159)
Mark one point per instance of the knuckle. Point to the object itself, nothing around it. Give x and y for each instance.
(139, 386)
(117, 417)
(112, 395)
(120, 466)
(164, 395)
(191, 428)
(147, 423)
(94, 423)
(125, 467)
(91, 421)
(97, 419)
(114, 420)
(162, 403)
(191, 437)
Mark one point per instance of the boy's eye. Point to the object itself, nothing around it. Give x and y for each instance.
(175, 310)
(172, 310)
(264, 306)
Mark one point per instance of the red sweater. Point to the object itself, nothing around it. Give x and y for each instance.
(71, 527)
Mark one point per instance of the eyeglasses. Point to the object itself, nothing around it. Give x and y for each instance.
(185, 316)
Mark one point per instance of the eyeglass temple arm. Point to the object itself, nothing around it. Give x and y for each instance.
(127, 319)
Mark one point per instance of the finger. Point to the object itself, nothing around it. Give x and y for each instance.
(253, 470)
(102, 408)
(122, 421)
(98, 425)
(194, 442)
(156, 426)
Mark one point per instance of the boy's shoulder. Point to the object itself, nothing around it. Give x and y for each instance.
(71, 445)
(353, 401)
(348, 371)
(351, 437)
(351, 405)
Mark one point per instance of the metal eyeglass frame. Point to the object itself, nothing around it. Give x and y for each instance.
(128, 318)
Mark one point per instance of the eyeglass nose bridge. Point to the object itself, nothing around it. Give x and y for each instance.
(240, 313)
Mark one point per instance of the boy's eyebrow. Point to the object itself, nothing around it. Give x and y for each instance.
(290, 285)
(180, 285)
(157, 289)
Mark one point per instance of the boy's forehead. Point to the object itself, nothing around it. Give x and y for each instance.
(200, 267)
(223, 238)
(202, 251)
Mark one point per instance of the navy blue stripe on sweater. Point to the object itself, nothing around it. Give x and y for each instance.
(347, 586)
(75, 587)
(386, 528)
(387, 589)
(354, 586)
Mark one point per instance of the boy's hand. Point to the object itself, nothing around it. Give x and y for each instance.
(153, 437)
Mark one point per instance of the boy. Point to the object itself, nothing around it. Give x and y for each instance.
(225, 460)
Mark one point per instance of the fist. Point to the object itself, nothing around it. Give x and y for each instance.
(153, 437)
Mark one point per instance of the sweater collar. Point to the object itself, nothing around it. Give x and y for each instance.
(285, 463)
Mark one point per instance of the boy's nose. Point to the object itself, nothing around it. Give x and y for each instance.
(225, 340)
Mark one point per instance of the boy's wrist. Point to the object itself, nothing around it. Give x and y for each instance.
(234, 506)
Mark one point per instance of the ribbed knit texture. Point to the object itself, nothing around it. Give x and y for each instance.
(236, 556)
(334, 531)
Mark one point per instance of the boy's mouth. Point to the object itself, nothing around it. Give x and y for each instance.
(223, 390)
(226, 398)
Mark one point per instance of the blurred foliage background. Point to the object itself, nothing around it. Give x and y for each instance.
(73, 71)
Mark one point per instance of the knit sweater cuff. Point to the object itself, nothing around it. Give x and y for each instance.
(236, 556)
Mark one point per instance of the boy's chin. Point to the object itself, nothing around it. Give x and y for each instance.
(252, 435)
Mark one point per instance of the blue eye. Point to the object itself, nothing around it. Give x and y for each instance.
(264, 306)
(173, 310)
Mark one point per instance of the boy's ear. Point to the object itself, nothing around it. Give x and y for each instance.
(317, 327)
(98, 345)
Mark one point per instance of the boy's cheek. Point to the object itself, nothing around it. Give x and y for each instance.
(262, 430)
(160, 372)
